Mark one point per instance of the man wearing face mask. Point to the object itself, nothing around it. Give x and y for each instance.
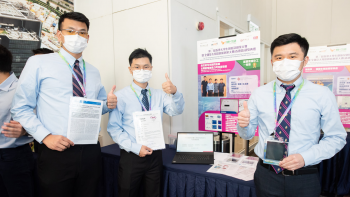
(47, 83)
(305, 108)
(139, 164)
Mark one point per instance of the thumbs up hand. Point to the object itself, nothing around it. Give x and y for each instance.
(112, 99)
(244, 116)
(168, 86)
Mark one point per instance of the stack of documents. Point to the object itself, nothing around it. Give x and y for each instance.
(234, 165)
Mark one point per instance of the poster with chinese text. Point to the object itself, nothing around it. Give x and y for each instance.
(228, 73)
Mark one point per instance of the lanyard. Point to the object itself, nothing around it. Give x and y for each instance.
(75, 75)
(289, 107)
(150, 99)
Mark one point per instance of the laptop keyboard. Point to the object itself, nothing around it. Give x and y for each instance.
(194, 157)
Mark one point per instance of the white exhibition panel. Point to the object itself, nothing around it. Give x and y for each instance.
(122, 5)
(92, 8)
(205, 7)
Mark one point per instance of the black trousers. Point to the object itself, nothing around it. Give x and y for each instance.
(16, 172)
(270, 184)
(135, 171)
(216, 94)
(75, 172)
(210, 92)
(221, 93)
(204, 93)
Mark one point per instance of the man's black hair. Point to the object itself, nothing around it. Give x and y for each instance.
(221, 79)
(291, 38)
(5, 60)
(139, 53)
(216, 79)
(77, 16)
(42, 51)
(209, 78)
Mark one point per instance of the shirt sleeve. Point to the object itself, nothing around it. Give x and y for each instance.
(25, 100)
(248, 132)
(334, 138)
(117, 133)
(174, 104)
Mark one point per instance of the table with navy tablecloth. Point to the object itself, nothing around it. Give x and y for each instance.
(178, 179)
(335, 172)
(193, 180)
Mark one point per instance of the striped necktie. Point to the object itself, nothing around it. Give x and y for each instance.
(283, 129)
(145, 99)
(77, 91)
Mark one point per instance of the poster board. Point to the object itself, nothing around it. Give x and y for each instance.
(330, 67)
(234, 62)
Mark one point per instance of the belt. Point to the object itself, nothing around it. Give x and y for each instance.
(301, 171)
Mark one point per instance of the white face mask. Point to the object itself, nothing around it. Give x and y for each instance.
(75, 43)
(142, 76)
(287, 69)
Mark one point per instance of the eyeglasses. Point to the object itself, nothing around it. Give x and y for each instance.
(146, 67)
(71, 32)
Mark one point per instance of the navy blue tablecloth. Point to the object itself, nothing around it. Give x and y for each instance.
(192, 180)
(178, 179)
(335, 172)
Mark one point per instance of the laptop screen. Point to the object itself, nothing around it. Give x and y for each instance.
(195, 142)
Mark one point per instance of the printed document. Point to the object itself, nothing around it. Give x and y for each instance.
(149, 129)
(84, 120)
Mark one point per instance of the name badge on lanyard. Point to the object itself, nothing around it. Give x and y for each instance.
(82, 86)
(274, 147)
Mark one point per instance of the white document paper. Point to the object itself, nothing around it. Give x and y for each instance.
(343, 86)
(149, 129)
(84, 120)
(243, 84)
(238, 167)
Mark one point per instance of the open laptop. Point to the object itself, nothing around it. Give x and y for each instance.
(196, 148)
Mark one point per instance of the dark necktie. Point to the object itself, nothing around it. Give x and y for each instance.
(77, 91)
(283, 129)
(145, 99)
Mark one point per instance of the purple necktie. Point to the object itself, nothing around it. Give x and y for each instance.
(283, 129)
(77, 91)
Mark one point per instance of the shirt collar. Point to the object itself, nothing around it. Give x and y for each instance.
(5, 85)
(138, 88)
(297, 83)
(70, 59)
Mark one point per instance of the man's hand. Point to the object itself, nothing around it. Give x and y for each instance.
(112, 99)
(57, 142)
(244, 116)
(292, 162)
(145, 151)
(13, 129)
(168, 87)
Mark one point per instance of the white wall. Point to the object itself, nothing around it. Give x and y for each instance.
(322, 22)
(184, 37)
